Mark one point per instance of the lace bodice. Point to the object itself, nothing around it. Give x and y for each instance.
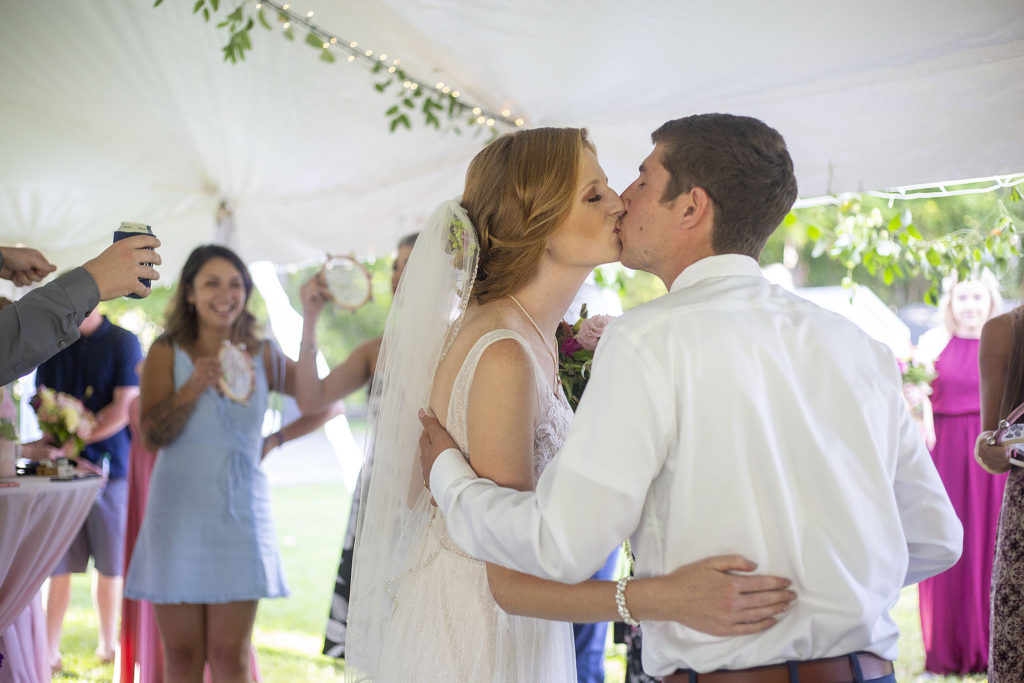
(554, 414)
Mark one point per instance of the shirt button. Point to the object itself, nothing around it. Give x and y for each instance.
(62, 344)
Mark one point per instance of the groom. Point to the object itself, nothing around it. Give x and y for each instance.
(727, 416)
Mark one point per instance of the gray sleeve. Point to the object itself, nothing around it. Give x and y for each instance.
(43, 322)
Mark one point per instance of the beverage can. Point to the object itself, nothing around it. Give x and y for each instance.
(126, 230)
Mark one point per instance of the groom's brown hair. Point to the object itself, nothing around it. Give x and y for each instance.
(742, 164)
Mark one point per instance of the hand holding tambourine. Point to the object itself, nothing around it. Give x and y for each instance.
(314, 295)
(237, 377)
(347, 282)
(206, 372)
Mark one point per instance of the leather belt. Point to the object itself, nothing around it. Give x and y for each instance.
(831, 670)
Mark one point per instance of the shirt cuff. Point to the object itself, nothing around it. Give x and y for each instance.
(449, 467)
(81, 290)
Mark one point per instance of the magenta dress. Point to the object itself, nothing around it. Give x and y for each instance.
(955, 604)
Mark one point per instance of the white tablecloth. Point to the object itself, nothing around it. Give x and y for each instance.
(38, 520)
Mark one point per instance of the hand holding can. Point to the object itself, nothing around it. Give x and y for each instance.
(126, 230)
(126, 266)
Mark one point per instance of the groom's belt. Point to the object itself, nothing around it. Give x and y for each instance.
(841, 669)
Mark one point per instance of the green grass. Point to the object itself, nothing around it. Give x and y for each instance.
(289, 633)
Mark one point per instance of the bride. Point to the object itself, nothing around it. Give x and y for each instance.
(471, 334)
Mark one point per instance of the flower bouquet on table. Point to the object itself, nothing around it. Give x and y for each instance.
(8, 434)
(576, 345)
(63, 419)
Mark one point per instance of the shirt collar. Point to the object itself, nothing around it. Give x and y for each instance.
(720, 265)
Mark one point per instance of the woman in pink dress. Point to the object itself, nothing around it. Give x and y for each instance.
(140, 639)
(954, 605)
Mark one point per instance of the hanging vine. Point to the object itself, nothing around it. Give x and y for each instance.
(439, 106)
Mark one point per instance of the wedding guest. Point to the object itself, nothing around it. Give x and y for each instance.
(313, 393)
(99, 370)
(140, 657)
(206, 552)
(1001, 362)
(727, 416)
(46, 320)
(954, 605)
(535, 218)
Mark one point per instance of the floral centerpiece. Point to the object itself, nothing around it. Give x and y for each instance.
(576, 346)
(63, 418)
(8, 414)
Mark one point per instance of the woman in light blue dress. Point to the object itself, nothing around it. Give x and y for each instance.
(207, 548)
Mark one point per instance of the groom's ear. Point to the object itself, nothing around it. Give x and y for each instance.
(694, 209)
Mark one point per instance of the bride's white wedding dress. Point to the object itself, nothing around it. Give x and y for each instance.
(446, 626)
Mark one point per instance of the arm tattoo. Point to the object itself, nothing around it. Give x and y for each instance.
(166, 420)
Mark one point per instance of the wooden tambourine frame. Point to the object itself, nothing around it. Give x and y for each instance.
(238, 378)
(353, 287)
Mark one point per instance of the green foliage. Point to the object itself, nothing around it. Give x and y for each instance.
(435, 106)
(633, 287)
(910, 243)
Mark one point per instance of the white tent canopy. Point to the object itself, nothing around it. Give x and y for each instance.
(114, 110)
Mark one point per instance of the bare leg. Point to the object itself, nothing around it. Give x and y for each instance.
(229, 639)
(58, 595)
(183, 634)
(106, 594)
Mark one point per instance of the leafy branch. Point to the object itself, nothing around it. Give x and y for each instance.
(896, 249)
(440, 107)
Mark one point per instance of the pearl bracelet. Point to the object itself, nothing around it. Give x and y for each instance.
(620, 601)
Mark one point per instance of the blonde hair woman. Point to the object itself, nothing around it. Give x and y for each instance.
(954, 604)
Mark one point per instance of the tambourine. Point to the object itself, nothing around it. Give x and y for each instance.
(348, 282)
(237, 379)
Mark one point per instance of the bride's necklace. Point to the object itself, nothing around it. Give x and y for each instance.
(554, 358)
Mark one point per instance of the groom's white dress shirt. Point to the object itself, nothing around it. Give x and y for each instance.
(731, 416)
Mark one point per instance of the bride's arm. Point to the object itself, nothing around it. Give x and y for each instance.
(702, 595)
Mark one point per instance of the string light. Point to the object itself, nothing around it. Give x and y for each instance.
(481, 116)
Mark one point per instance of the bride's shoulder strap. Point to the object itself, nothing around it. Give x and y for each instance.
(458, 402)
(481, 345)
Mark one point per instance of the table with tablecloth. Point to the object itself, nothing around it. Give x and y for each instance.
(38, 520)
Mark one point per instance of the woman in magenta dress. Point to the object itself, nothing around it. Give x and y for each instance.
(955, 604)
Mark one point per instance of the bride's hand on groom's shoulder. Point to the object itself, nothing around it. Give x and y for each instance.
(706, 596)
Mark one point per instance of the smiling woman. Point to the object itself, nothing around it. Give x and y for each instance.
(204, 566)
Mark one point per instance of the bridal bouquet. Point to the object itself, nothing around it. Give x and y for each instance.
(63, 417)
(576, 345)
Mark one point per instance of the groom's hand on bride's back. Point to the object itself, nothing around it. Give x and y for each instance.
(706, 596)
(433, 441)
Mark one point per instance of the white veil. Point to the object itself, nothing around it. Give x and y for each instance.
(395, 507)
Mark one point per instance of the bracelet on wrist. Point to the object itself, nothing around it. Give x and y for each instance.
(620, 601)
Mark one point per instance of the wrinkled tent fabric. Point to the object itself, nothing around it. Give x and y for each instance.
(114, 110)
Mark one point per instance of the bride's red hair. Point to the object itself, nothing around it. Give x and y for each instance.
(519, 190)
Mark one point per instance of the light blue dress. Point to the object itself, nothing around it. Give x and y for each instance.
(208, 535)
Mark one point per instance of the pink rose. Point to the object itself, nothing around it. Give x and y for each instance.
(591, 330)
